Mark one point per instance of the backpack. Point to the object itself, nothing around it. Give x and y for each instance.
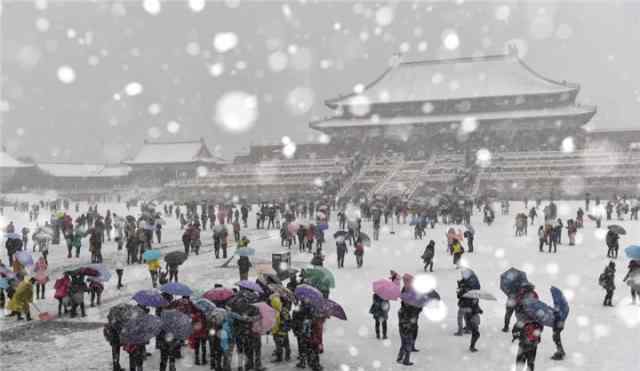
(602, 280)
(532, 332)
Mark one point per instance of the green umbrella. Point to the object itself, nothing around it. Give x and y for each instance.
(320, 278)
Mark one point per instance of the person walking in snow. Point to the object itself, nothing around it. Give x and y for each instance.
(380, 311)
(406, 323)
(359, 252)
(558, 326)
(472, 319)
(633, 273)
(612, 243)
(428, 255)
(528, 336)
(457, 250)
(341, 251)
(607, 281)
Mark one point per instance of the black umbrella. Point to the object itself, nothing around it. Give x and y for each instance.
(340, 234)
(512, 280)
(175, 257)
(617, 229)
(119, 314)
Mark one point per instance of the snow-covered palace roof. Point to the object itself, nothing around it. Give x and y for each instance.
(460, 78)
(8, 162)
(183, 152)
(80, 170)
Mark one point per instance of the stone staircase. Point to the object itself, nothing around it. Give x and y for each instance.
(385, 182)
(413, 187)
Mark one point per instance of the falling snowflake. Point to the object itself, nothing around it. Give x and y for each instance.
(225, 41)
(236, 111)
(173, 127)
(450, 40)
(133, 88)
(197, 5)
(152, 7)
(66, 74)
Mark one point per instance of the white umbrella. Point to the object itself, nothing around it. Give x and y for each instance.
(479, 294)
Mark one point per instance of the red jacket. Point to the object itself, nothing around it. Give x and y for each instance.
(200, 330)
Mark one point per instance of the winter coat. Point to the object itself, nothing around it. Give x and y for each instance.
(21, 298)
(281, 326)
(77, 289)
(456, 248)
(200, 328)
(62, 287)
(183, 305)
(40, 272)
(612, 239)
(244, 264)
(607, 278)
(359, 250)
(428, 253)
(379, 308)
(341, 248)
(153, 265)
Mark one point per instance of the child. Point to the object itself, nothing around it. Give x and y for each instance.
(457, 250)
(359, 252)
(280, 330)
(62, 286)
(95, 288)
(607, 281)
(380, 311)
(529, 337)
(40, 273)
(154, 268)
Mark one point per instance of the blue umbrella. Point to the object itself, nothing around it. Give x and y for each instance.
(24, 257)
(560, 303)
(150, 255)
(205, 306)
(13, 236)
(511, 280)
(176, 324)
(633, 252)
(176, 288)
(150, 298)
(419, 300)
(323, 227)
(471, 279)
(140, 330)
(246, 251)
(4, 283)
(540, 312)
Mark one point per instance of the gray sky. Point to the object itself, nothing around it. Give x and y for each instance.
(289, 55)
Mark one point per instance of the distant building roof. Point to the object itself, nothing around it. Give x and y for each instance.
(600, 126)
(8, 162)
(460, 78)
(78, 170)
(339, 122)
(184, 152)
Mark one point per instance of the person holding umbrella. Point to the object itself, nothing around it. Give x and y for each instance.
(528, 336)
(40, 274)
(612, 243)
(632, 277)
(154, 270)
(280, 330)
(244, 264)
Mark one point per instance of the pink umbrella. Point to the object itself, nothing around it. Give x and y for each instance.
(267, 318)
(386, 289)
(219, 294)
(293, 228)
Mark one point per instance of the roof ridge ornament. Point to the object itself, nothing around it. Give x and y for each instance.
(512, 50)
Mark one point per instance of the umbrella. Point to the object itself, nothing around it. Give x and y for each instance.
(140, 330)
(271, 278)
(386, 289)
(340, 235)
(87, 271)
(103, 275)
(319, 277)
(333, 309)
(24, 257)
(218, 294)
(471, 279)
(415, 299)
(617, 229)
(119, 314)
(293, 228)
(246, 251)
(511, 280)
(633, 252)
(560, 303)
(13, 236)
(283, 292)
(150, 255)
(479, 294)
(470, 228)
(250, 285)
(365, 239)
(150, 298)
(323, 226)
(176, 288)
(539, 312)
(175, 257)
(310, 295)
(204, 305)
(176, 323)
(267, 318)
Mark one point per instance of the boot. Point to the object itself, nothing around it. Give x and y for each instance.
(457, 333)
(558, 356)
(28, 315)
(505, 329)
(377, 333)
(406, 361)
(400, 356)
(301, 363)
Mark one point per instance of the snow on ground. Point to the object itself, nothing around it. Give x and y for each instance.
(596, 338)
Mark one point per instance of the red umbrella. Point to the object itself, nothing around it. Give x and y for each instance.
(218, 294)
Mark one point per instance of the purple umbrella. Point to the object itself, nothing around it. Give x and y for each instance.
(150, 298)
(140, 330)
(386, 289)
(250, 285)
(419, 300)
(310, 294)
(177, 289)
(333, 309)
(176, 324)
(24, 257)
(104, 274)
